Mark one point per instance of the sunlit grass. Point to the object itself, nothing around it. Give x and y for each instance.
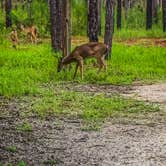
(124, 34)
(23, 70)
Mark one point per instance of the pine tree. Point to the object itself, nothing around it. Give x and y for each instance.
(109, 25)
(93, 20)
(149, 14)
(56, 24)
(119, 14)
(164, 14)
(8, 8)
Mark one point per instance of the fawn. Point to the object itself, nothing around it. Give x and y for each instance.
(31, 32)
(14, 38)
(92, 49)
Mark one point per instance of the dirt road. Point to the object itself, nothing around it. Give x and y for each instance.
(136, 142)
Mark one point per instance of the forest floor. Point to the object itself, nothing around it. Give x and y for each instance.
(140, 140)
(144, 41)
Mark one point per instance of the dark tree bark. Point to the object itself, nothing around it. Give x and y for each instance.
(154, 11)
(66, 28)
(56, 24)
(149, 14)
(2, 4)
(99, 16)
(119, 14)
(126, 7)
(109, 25)
(30, 11)
(93, 20)
(164, 14)
(8, 8)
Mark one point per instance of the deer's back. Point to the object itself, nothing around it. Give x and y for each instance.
(90, 49)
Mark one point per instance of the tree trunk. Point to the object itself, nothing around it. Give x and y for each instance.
(126, 7)
(30, 11)
(99, 16)
(154, 11)
(119, 14)
(56, 24)
(87, 3)
(8, 8)
(160, 3)
(66, 28)
(149, 14)
(109, 25)
(164, 14)
(2, 4)
(93, 20)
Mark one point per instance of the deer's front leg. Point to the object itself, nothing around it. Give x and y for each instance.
(81, 68)
(80, 62)
(76, 70)
(99, 61)
(104, 64)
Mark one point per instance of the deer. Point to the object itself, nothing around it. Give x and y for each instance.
(31, 32)
(14, 38)
(80, 53)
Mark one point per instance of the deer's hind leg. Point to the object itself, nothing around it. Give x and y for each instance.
(81, 68)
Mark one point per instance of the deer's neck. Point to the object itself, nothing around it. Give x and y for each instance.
(67, 59)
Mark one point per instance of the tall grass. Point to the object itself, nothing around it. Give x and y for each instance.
(22, 70)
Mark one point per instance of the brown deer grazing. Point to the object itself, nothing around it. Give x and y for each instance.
(92, 49)
(31, 32)
(14, 38)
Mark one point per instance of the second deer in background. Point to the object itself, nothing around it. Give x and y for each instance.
(31, 33)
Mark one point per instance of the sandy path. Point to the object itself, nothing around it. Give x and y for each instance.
(141, 142)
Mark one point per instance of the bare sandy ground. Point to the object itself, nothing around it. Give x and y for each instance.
(120, 142)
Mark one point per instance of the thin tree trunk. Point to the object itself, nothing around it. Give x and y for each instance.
(2, 4)
(87, 3)
(154, 12)
(56, 24)
(93, 21)
(99, 16)
(119, 14)
(109, 26)
(126, 6)
(30, 11)
(8, 8)
(66, 28)
(149, 14)
(164, 14)
(160, 3)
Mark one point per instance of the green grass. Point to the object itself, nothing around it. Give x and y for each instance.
(124, 33)
(20, 163)
(92, 109)
(22, 71)
(25, 127)
(11, 149)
